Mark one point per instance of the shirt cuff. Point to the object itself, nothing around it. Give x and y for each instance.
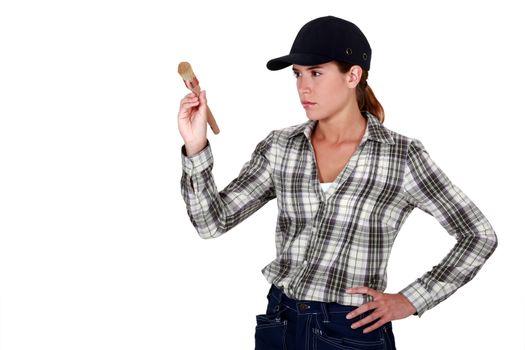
(197, 162)
(418, 296)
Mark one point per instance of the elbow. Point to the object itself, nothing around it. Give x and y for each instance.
(209, 233)
(205, 235)
(208, 236)
(209, 226)
(493, 241)
(489, 242)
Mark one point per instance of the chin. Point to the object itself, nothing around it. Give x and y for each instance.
(314, 116)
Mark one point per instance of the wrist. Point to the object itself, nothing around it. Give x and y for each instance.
(194, 148)
(410, 307)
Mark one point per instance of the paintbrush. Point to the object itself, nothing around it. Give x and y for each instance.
(192, 83)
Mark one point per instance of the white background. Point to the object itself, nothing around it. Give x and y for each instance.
(96, 248)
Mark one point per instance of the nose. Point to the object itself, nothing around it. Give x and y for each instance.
(304, 85)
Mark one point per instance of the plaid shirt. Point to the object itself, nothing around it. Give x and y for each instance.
(329, 241)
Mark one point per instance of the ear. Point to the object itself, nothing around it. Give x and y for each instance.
(353, 76)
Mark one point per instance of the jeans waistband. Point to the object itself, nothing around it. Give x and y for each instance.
(308, 306)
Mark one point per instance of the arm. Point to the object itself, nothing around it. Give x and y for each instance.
(213, 212)
(427, 187)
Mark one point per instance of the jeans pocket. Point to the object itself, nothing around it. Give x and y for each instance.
(322, 341)
(337, 334)
(270, 333)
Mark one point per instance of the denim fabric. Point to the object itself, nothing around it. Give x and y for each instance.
(310, 325)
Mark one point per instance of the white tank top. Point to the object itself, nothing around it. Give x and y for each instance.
(325, 185)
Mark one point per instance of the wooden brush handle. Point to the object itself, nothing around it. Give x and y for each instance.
(212, 122)
(210, 118)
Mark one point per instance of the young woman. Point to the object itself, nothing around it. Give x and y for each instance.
(345, 184)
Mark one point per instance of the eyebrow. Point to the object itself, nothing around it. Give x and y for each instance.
(309, 68)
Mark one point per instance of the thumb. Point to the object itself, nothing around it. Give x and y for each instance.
(202, 97)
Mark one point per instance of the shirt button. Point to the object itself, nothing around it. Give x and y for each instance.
(305, 262)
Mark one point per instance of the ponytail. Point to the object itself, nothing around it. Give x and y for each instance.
(366, 99)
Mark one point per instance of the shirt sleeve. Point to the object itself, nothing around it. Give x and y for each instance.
(214, 213)
(427, 187)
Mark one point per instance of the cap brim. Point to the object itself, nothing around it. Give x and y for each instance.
(304, 59)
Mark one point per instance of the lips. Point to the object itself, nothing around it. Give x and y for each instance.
(307, 103)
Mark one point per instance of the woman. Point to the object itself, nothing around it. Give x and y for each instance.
(345, 184)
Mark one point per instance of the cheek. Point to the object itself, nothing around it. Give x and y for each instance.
(334, 97)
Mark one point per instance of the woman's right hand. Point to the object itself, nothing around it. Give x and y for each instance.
(192, 121)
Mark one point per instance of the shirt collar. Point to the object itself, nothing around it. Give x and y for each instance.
(374, 130)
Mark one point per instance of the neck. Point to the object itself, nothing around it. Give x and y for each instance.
(347, 126)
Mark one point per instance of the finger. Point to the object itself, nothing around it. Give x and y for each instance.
(190, 95)
(185, 107)
(372, 317)
(364, 290)
(189, 99)
(203, 102)
(362, 309)
(375, 326)
(187, 113)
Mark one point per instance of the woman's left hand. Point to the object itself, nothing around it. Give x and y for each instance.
(387, 307)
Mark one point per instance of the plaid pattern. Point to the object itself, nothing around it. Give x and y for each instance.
(327, 241)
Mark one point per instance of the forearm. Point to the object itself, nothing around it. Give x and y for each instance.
(214, 213)
(459, 267)
(199, 191)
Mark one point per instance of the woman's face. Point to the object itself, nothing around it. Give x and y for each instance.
(323, 90)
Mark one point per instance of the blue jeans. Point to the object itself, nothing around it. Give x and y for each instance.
(291, 324)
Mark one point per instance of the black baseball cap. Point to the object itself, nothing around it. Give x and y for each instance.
(325, 39)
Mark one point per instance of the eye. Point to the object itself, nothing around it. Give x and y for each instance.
(295, 74)
(316, 73)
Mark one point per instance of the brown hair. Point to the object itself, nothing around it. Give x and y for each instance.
(366, 99)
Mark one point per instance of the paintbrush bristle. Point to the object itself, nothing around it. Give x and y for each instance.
(186, 72)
